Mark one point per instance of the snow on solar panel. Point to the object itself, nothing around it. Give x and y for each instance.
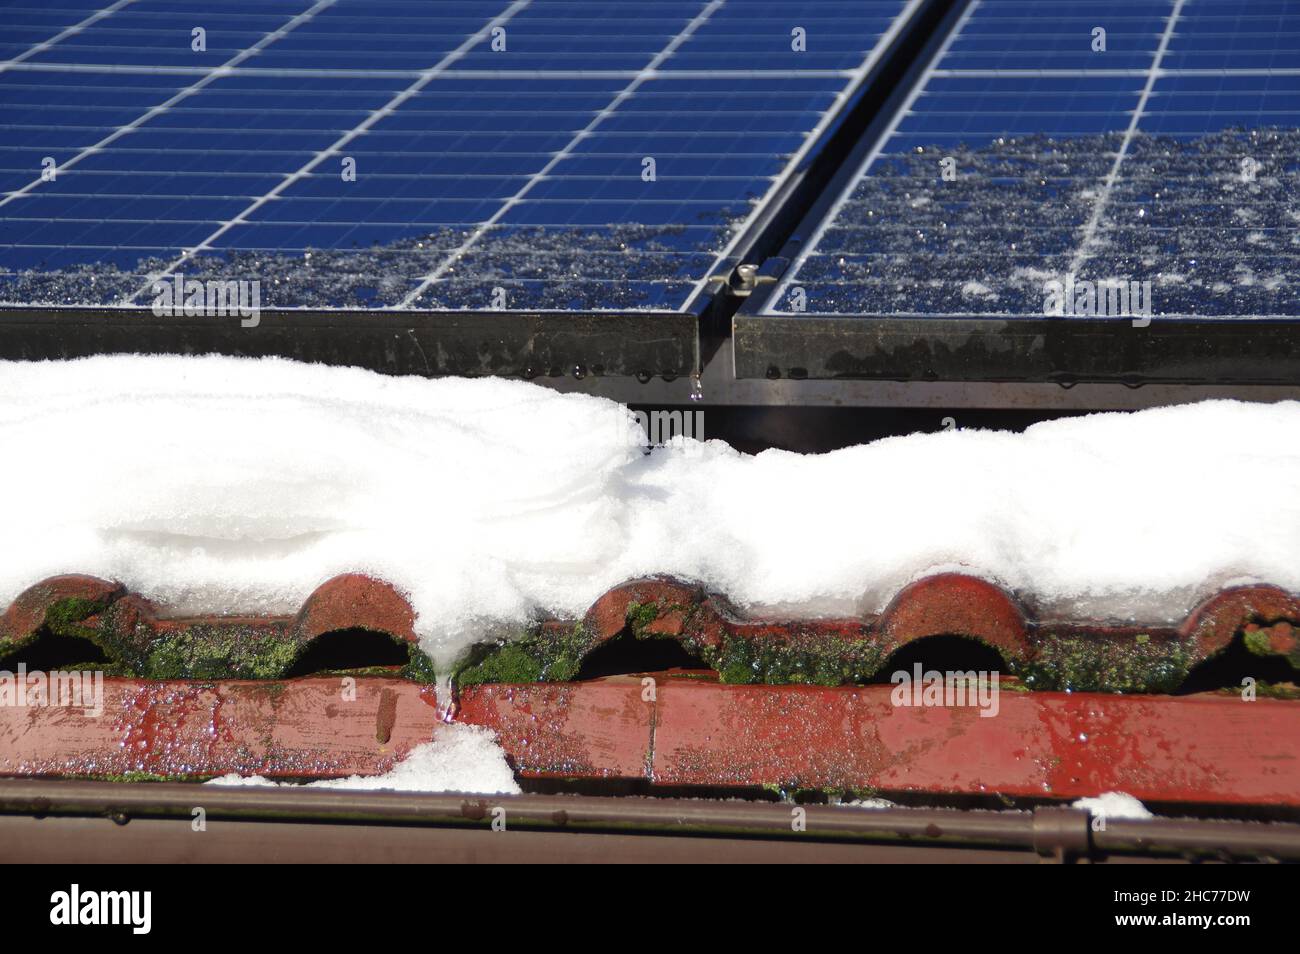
(1040, 168)
(446, 154)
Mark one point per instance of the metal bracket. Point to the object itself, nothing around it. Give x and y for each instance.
(742, 280)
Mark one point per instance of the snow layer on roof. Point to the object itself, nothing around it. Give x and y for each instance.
(235, 485)
(461, 758)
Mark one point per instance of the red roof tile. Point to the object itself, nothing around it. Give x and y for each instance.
(694, 730)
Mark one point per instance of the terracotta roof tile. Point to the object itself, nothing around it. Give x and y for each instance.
(785, 705)
(140, 639)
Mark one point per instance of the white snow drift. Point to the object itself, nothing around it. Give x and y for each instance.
(461, 758)
(220, 485)
(1114, 805)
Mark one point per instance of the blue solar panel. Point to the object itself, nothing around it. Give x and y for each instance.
(1167, 157)
(499, 148)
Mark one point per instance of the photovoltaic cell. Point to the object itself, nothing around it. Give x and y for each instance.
(1169, 157)
(552, 154)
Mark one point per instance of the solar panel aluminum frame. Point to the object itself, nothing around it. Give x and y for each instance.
(1169, 350)
(430, 343)
(530, 344)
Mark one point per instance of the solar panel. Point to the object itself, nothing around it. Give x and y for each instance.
(1051, 157)
(411, 154)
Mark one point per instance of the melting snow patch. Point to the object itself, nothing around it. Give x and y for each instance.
(1114, 805)
(220, 485)
(461, 758)
(868, 803)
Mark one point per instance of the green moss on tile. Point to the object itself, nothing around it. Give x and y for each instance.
(510, 663)
(65, 618)
(220, 651)
(641, 615)
(1102, 664)
(63, 615)
(547, 654)
(139, 777)
(1258, 642)
(419, 667)
(826, 661)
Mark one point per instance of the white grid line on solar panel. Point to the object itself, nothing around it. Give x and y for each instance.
(428, 247)
(187, 193)
(815, 239)
(1099, 207)
(394, 133)
(196, 114)
(65, 33)
(629, 74)
(476, 74)
(755, 29)
(692, 154)
(471, 118)
(622, 18)
(617, 31)
(375, 116)
(396, 216)
(510, 203)
(210, 77)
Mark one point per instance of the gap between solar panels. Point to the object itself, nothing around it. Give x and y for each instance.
(543, 200)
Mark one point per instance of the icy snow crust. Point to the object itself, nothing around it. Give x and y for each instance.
(1212, 242)
(219, 485)
(623, 266)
